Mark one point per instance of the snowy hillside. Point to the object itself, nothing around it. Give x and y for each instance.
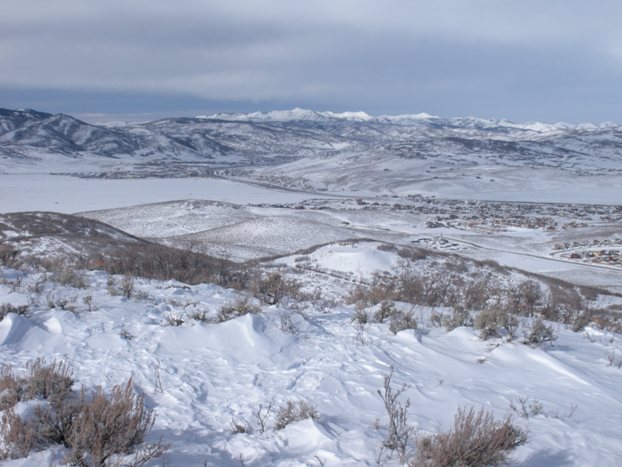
(216, 387)
(280, 136)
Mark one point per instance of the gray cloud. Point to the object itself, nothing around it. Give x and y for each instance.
(560, 59)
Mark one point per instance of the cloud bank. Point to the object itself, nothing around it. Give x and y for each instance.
(554, 60)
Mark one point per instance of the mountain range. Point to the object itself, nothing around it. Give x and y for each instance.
(258, 140)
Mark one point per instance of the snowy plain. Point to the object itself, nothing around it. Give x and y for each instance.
(45, 192)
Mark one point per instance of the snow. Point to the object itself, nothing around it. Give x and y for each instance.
(44, 192)
(289, 115)
(213, 373)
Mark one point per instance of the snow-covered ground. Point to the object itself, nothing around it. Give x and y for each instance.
(45, 192)
(364, 179)
(200, 377)
(243, 232)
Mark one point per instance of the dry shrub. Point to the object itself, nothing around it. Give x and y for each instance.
(371, 295)
(539, 332)
(457, 318)
(451, 283)
(165, 263)
(10, 391)
(6, 308)
(386, 310)
(17, 435)
(199, 315)
(476, 439)
(108, 424)
(94, 428)
(360, 316)
(294, 411)
(402, 320)
(478, 292)
(273, 288)
(399, 431)
(174, 319)
(127, 286)
(67, 275)
(52, 382)
(8, 255)
(527, 408)
(413, 254)
(489, 321)
(563, 304)
(581, 320)
(239, 307)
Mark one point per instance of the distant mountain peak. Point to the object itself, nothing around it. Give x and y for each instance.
(294, 114)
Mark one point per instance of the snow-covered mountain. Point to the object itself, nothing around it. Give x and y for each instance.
(279, 137)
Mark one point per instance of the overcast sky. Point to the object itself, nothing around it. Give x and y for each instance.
(548, 60)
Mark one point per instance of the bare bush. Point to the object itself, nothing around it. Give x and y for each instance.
(6, 308)
(476, 439)
(238, 428)
(539, 332)
(387, 310)
(127, 286)
(94, 428)
(36, 287)
(581, 320)
(239, 307)
(111, 286)
(487, 322)
(360, 316)
(17, 435)
(402, 320)
(526, 407)
(563, 304)
(165, 263)
(10, 388)
(274, 287)
(88, 301)
(399, 431)
(529, 295)
(125, 334)
(491, 320)
(451, 283)
(379, 291)
(263, 414)
(457, 318)
(413, 254)
(174, 319)
(52, 382)
(68, 276)
(108, 424)
(294, 411)
(8, 255)
(287, 325)
(199, 315)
